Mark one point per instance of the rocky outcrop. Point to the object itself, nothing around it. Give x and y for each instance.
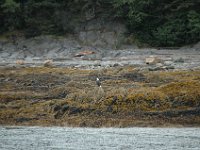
(51, 51)
(34, 48)
(197, 46)
(100, 33)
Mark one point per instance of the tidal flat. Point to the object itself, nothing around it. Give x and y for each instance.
(129, 96)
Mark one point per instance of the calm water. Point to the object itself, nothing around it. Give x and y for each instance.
(59, 138)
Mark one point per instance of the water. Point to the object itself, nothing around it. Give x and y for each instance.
(60, 138)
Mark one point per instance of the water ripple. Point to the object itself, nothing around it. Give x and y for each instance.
(61, 138)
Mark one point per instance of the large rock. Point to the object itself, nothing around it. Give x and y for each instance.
(197, 46)
(20, 62)
(100, 33)
(83, 53)
(152, 60)
(43, 47)
(48, 63)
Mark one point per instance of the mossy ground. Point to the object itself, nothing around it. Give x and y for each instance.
(70, 97)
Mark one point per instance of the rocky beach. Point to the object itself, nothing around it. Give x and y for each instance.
(50, 81)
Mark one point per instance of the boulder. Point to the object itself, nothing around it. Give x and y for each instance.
(157, 68)
(101, 33)
(48, 63)
(56, 108)
(159, 65)
(152, 60)
(197, 46)
(83, 53)
(179, 60)
(74, 110)
(20, 62)
(115, 65)
(168, 63)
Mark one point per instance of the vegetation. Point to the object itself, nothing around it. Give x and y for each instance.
(162, 23)
(158, 23)
(69, 96)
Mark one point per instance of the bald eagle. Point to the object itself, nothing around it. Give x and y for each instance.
(98, 82)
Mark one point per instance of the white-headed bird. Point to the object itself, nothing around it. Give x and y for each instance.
(98, 82)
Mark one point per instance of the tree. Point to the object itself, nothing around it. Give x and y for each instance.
(156, 22)
(162, 23)
(11, 11)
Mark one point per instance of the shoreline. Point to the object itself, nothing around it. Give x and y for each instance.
(117, 124)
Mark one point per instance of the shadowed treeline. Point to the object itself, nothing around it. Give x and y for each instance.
(155, 22)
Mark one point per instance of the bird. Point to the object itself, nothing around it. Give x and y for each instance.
(98, 82)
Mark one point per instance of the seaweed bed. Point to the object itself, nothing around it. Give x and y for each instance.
(53, 96)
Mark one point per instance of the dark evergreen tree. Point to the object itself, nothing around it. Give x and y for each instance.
(156, 22)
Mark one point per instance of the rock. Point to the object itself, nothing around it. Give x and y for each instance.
(58, 115)
(161, 68)
(114, 101)
(97, 32)
(110, 38)
(83, 53)
(20, 62)
(180, 60)
(99, 43)
(152, 60)
(92, 36)
(56, 108)
(2, 106)
(98, 112)
(168, 67)
(167, 63)
(7, 79)
(98, 64)
(134, 76)
(5, 55)
(159, 65)
(109, 109)
(65, 108)
(156, 69)
(74, 110)
(63, 94)
(94, 57)
(15, 55)
(48, 63)
(83, 124)
(23, 119)
(93, 25)
(83, 36)
(197, 46)
(116, 65)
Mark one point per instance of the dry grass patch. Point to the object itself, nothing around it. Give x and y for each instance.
(183, 93)
(147, 99)
(11, 96)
